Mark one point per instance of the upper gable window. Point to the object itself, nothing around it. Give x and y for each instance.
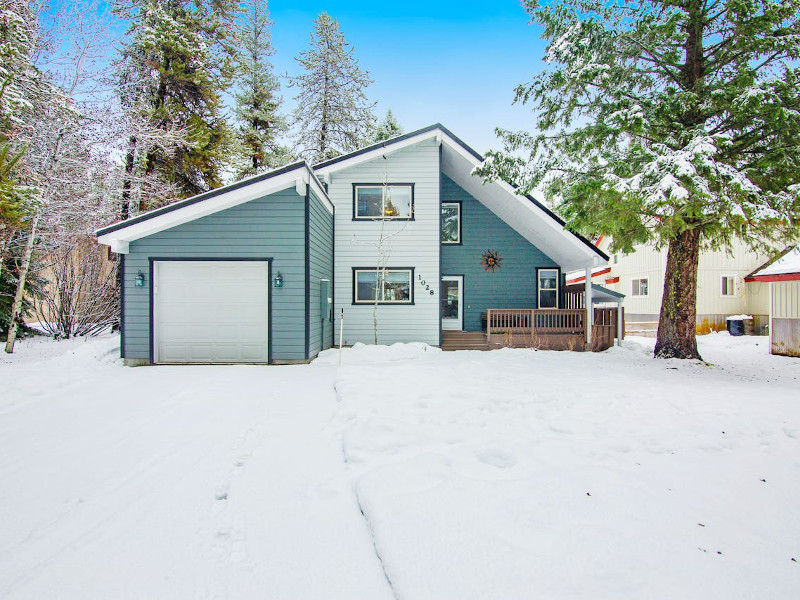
(377, 201)
(451, 222)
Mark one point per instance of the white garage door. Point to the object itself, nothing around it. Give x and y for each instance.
(210, 311)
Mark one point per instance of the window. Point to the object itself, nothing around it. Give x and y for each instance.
(728, 285)
(548, 288)
(376, 201)
(391, 286)
(639, 287)
(451, 222)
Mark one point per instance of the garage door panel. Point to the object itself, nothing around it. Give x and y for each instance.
(211, 311)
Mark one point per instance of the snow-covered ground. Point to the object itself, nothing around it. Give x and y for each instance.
(407, 472)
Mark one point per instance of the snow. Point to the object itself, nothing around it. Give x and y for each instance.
(408, 472)
(788, 263)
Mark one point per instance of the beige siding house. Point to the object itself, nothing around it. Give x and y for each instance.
(721, 289)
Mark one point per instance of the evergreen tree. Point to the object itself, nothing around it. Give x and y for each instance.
(672, 122)
(19, 82)
(333, 115)
(176, 67)
(257, 100)
(387, 128)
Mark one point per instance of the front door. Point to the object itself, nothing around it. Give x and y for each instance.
(453, 302)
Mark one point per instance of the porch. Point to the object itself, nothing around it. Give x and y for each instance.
(544, 329)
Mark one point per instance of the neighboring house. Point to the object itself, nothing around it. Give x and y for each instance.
(721, 290)
(244, 273)
(782, 275)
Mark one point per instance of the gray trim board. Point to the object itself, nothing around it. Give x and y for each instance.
(308, 270)
(440, 247)
(121, 267)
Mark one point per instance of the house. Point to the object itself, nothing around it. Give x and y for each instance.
(721, 289)
(263, 270)
(782, 275)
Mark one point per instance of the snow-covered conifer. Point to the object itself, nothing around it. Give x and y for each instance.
(676, 123)
(257, 102)
(387, 128)
(333, 114)
(179, 63)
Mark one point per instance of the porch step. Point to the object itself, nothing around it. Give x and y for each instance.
(464, 340)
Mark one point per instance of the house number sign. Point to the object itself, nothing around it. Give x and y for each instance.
(427, 286)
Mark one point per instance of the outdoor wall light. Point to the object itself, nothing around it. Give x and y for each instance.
(140, 279)
(279, 280)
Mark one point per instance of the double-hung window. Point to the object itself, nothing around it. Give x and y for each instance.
(451, 222)
(639, 286)
(378, 201)
(728, 287)
(387, 286)
(548, 288)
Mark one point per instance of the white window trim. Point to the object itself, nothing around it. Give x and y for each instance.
(384, 187)
(409, 270)
(539, 288)
(640, 279)
(723, 276)
(458, 240)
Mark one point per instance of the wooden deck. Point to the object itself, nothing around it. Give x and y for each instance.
(543, 329)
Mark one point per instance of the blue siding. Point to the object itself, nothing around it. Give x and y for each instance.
(270, 227)
(513, 285)
(320, 266)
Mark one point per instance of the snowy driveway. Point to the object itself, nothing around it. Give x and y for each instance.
(175, 482)
(509, 474)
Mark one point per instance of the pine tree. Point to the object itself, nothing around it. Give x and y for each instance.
(257, 101)
(676, 123)
(19, 82)
(387, 128)
(333, 114)
(177, 66)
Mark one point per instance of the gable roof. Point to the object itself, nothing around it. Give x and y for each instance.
(785, 267)
(529, 217)
(299, 174)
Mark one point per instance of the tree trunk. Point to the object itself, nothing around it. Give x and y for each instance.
(676, 324)
(16, 308)
(3, 242)
(130, 158)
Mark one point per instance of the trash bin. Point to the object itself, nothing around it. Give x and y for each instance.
(735, 326)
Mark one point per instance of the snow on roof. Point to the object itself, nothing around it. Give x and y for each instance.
(784, 265)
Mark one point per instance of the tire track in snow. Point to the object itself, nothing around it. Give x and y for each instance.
(361, 508)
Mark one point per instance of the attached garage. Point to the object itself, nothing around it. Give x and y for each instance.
(229, 276)
(210, 311)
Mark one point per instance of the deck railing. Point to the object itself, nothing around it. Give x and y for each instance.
(534, 321)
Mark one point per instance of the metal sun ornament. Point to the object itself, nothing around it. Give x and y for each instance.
(490, 260)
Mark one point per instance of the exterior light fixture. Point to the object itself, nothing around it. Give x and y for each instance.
(279, 280)
(140, 279)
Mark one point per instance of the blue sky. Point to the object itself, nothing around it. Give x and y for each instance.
(454, 62)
